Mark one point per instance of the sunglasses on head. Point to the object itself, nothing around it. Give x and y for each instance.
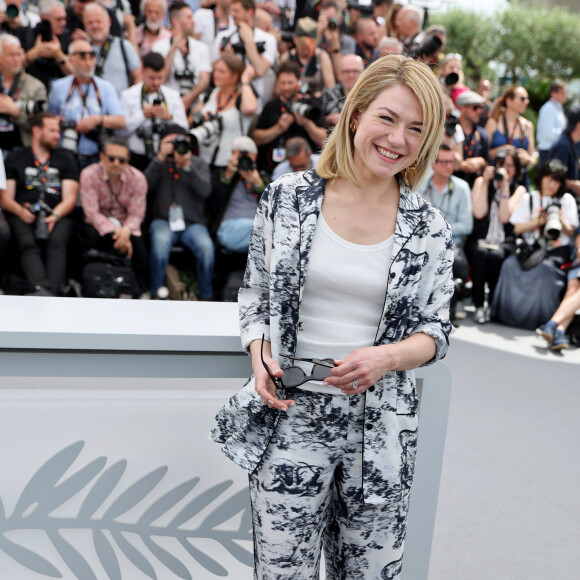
(557, 168)
(295, 376)
(84, 54)
(113, 158)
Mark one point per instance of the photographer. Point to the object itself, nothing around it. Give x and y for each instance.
(114, 198)
(330, 37)
(228, 112)
(179, 185)
(351, 67)
(473, 158)
(148, 106)
(47, 43)
(117, 59)
(15, 16)
(287, 116)
(187, 61)
(314, 63)
(530, 283)
(251, 44)
(88, 106)
(41, 192)
(235, 196)
(495, 195)
(20, 95)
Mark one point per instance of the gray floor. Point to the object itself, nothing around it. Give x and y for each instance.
(509, 504)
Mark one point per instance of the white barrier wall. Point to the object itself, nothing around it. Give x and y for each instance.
(105, 466)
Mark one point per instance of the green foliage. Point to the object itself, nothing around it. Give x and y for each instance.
(532, 42)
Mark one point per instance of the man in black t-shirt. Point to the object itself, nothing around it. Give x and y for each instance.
(279, 120)
(41, 192)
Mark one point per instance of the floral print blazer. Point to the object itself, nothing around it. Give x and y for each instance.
(416, 300)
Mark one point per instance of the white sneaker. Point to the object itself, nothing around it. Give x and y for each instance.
(460, 311)
(480, 316)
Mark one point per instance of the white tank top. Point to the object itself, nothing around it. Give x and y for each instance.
(343, 298)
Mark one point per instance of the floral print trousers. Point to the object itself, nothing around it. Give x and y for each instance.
(307, 494)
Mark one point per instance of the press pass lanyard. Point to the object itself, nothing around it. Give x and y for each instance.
(176, 216)
(145, 95)
(103, 56)
(84, 96)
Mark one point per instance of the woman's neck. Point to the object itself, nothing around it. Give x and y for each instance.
(511, 116)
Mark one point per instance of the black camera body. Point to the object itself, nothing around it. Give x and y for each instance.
(305, 109)
(181, 144)
(245, 163)
(40, 209)
(186, 80)
(451, 122)
(238, 47)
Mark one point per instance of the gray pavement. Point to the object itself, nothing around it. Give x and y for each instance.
(509, 505)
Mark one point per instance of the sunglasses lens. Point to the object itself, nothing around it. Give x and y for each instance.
(320, 372)
(293, 377)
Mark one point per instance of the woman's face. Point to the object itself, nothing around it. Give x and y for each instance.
(519, 102)
(510, 167)
(388, 134)
(304, 46)
(223, 76)
(549, 186)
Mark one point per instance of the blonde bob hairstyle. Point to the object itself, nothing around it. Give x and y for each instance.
(337, 157)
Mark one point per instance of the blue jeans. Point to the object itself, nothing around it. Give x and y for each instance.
(196, 239)
(234, 234)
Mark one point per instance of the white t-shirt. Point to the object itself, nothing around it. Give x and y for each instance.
(522, 214)
(205, 25)
(198, 60)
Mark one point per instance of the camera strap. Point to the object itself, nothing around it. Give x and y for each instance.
(104, 52)
(145, 93)
(184, 54)
(511, 136)
(84, 96)
(14, 90)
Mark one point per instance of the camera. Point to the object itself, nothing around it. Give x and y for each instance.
(451, 122)
(32, 107)
(40, 209)
(70, 137)
(12, 11)
(149, 132)
(333, 23)
(205, 131)
(245, 163)
(304, 109)
(100, 136)
(451, 79)
(186, 80)
(238, 47)
(429, 48)
(499, 161)
(553, 227)
(181, 145)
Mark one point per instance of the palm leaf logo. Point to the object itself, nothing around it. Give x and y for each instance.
(47, 490)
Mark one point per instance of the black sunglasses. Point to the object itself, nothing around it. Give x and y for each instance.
(295, 376)
(84, 54)
(121, 160)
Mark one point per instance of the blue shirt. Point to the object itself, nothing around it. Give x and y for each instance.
(551, 123)
(72, 109)
(454, 202)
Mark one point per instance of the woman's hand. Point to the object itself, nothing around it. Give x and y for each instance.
(361, 369)
(488, 173)
(262, 381)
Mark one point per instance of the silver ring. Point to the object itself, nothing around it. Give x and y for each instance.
(354, 384)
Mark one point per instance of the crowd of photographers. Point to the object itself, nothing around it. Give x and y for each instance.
(128, 129)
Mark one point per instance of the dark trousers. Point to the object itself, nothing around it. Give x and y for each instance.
(43, 262)
(140, 162)
(486, 267)
(139, 261)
